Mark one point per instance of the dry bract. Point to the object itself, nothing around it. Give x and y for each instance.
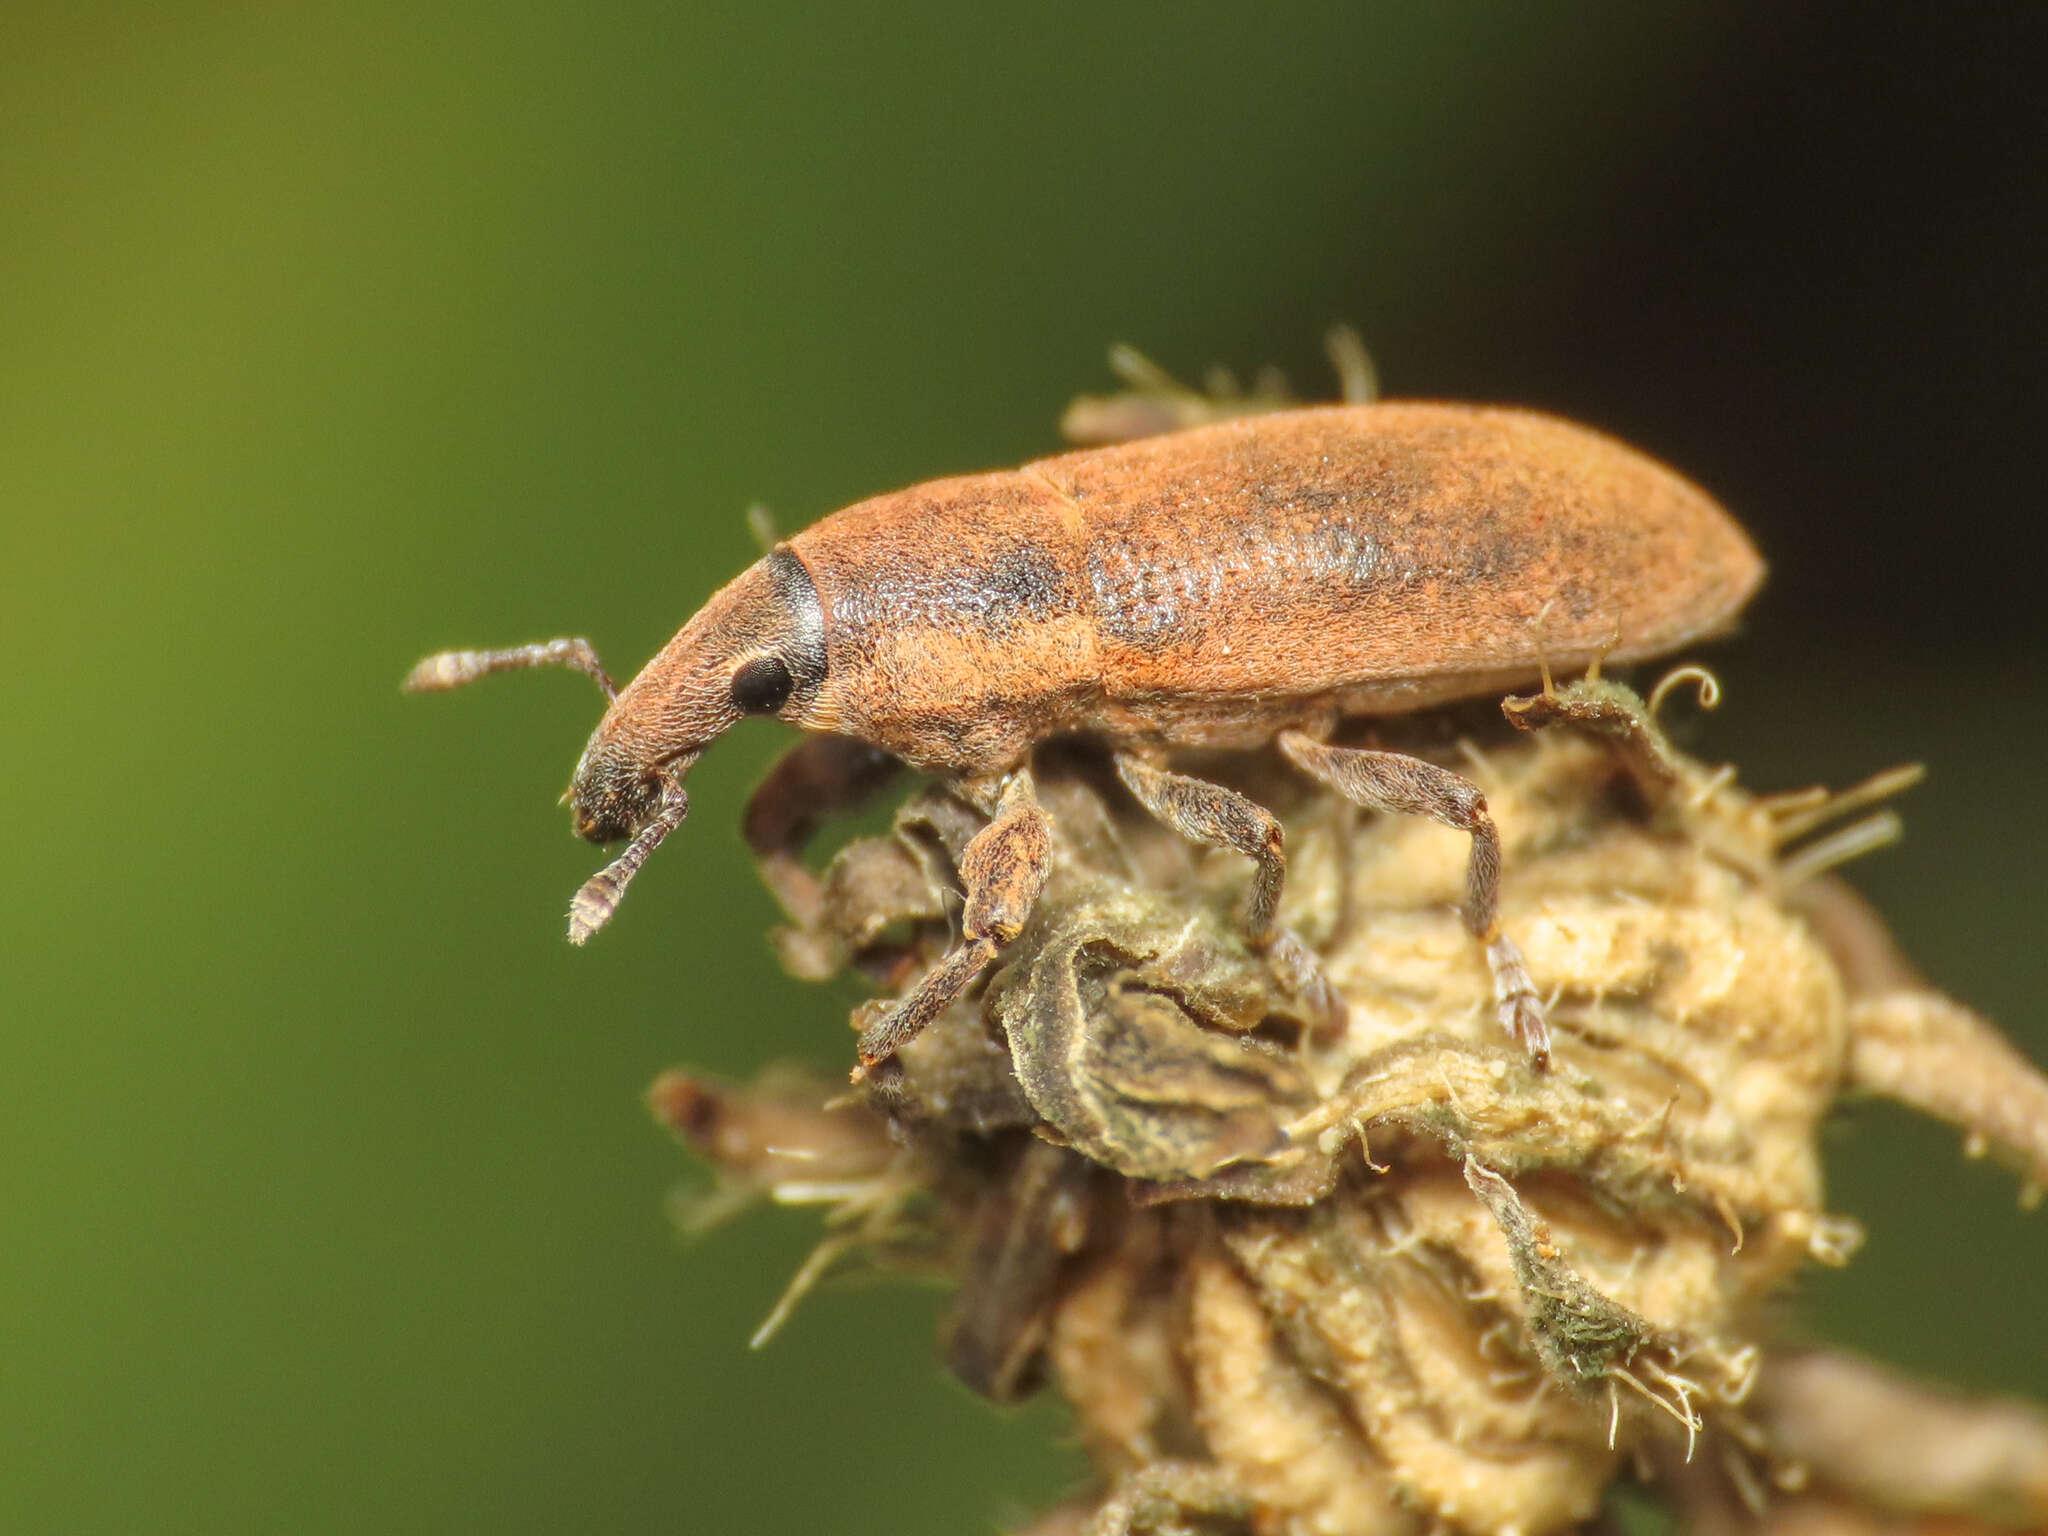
(1392, 1278)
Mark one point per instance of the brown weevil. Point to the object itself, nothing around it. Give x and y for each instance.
(1248, 582)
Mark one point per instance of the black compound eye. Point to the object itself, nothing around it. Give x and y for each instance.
(761, 685)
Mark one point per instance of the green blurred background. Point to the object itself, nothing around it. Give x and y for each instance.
(333, 334)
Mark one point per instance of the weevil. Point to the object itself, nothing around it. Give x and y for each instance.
(1245, 583)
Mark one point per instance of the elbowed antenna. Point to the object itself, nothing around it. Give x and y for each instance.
(593, 905)
(452, 669)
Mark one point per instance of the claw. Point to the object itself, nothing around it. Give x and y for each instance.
(1302, 974)
(1515, 1002)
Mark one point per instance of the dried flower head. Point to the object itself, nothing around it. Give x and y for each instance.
(1393, 1279)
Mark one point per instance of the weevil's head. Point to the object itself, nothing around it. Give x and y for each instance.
(757, 648)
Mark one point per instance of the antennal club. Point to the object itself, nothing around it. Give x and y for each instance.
(592, 906)
(445, 670)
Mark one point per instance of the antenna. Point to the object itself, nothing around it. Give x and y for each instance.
(592, 906)
(445, 670)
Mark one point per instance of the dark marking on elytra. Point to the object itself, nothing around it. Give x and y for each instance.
(1015, 586)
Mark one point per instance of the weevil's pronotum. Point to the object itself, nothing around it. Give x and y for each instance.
(1250, 582)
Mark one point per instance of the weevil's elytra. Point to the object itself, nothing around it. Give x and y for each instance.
(1228, 586)
(1206, 584)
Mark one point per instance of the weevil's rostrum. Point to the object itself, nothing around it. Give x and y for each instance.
(1250, 581)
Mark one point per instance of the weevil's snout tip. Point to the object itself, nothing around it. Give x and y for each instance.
(601, 823)
(617, 794)
(612, 814)
(599, 819)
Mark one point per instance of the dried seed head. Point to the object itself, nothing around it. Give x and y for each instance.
(1394, 1279)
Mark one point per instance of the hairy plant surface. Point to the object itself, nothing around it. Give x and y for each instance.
(1389, 1277)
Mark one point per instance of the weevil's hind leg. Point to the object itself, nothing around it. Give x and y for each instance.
(819, 777)
(1208, 813)
(1004, 868)
(1391, 781)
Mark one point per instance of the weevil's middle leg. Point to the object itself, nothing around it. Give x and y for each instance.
(1004, 868)
(1392, 781)
(1222, 818)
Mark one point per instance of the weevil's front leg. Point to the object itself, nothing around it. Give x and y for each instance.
(1391, 781)
(1004, 868)
(1208, 813)
(820, 776)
